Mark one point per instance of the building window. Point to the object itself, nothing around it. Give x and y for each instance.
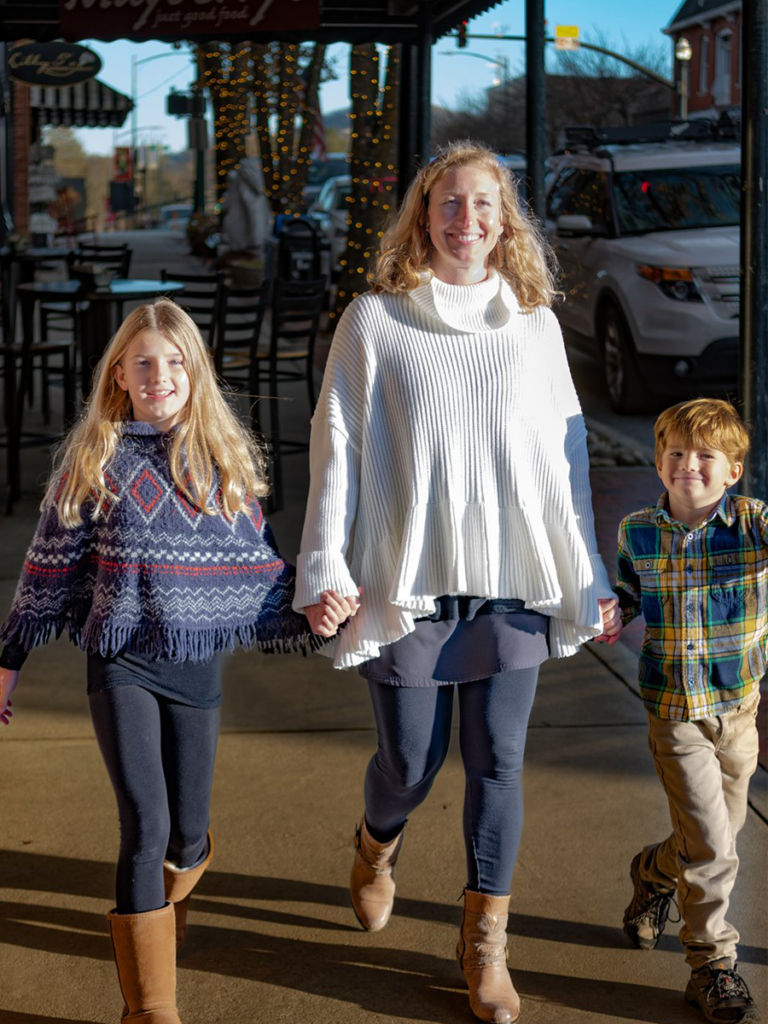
(704, 65)
(721, 88)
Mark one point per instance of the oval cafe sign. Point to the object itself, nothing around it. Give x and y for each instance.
(48, 64)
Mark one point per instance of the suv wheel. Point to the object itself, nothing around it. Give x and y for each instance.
(622, 376)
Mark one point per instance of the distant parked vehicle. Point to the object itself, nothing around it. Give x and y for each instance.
(329, 214)
(514, 162)
(175, 216)
(320, 171)
(644, 222)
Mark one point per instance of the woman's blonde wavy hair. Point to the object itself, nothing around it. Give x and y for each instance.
(522, 255)
(209, 440)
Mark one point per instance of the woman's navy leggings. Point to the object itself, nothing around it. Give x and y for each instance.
(160, 756)
(414, 731)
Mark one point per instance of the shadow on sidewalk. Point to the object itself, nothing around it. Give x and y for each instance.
(14, 1017)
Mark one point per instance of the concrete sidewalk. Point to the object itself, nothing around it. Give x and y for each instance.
(272, 937)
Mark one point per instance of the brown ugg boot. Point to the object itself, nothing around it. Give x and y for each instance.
(371, 884)
(482, 955)
(145, 953)
(179, 883)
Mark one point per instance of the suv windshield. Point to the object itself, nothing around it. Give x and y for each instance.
(674, 199)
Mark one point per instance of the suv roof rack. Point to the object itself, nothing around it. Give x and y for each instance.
(725, 128)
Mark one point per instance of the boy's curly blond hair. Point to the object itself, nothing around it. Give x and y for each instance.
(705, 423)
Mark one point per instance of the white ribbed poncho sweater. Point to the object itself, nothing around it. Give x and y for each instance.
(448, 456)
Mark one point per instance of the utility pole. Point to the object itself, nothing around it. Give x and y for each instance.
(753, 348)
(535, 104)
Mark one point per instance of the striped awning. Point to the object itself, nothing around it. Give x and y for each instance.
(90, 104)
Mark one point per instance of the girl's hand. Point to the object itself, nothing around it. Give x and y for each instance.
(8, 681)
(333, 609)
(609, 610)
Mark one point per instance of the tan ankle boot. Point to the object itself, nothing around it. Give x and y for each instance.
(145, 953)
(179, 883)
(482, 955)
(371, 884)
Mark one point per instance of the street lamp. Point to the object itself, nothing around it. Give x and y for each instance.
(135, 99)
(683, 54)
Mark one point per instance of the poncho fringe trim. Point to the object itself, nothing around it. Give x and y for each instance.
(163, 644)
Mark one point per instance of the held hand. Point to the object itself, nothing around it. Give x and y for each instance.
(609, 610)
(8, 681)
(333, 609)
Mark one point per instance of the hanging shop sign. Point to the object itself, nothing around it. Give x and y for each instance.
(49, 64)
(183, 19)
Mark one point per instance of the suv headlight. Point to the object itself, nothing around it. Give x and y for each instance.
(676, 282)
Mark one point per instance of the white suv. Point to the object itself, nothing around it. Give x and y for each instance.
(647, 237)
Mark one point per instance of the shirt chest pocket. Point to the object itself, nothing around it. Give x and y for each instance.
(652, 573)
(732, 579)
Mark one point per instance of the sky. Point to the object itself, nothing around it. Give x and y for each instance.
(454, 72)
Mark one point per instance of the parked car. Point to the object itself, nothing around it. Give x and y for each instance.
(645, 225)
(329, 214)
(514, 162)
(175, 216)
(320, 171)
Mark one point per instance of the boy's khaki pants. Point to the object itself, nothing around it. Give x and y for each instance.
(705, 768)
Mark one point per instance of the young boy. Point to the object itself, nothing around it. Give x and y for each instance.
(696, 567)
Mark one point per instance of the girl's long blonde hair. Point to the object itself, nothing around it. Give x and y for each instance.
(209, 440)
(522, 255)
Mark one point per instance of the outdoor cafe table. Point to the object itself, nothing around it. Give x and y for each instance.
(18, 267)
(94, 312)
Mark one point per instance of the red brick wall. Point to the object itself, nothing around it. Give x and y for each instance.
(704, 99)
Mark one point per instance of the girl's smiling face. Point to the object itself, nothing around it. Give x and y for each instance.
(464, 223)
(152, 371)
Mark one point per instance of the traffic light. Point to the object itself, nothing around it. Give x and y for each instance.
(462, 40)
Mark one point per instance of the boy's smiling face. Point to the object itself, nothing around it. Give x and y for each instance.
(696, 477)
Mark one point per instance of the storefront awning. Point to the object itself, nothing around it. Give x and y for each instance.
(90, 104)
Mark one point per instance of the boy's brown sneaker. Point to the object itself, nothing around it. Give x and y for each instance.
(721, 994)
(646, 915)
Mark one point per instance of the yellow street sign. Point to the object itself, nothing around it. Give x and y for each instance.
(566, 37)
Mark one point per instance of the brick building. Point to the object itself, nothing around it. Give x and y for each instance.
(713, 28)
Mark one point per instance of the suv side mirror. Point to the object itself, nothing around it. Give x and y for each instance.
(574, 224)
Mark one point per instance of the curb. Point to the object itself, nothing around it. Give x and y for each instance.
(603, 432)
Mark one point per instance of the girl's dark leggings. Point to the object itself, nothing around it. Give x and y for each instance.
(160, 756)
(414, 731)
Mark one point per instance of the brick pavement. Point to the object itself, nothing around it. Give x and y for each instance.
(620, 490)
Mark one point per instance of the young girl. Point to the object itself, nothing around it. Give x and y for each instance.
(152, 551)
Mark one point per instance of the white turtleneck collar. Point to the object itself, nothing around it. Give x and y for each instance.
(468, 308)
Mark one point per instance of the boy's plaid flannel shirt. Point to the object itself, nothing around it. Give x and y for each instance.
(704, 595)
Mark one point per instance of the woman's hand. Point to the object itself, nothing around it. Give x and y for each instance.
(8, 680)
(333, 609)
(609, 610)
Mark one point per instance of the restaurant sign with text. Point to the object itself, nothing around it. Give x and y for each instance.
(166, 19)
(49, 64)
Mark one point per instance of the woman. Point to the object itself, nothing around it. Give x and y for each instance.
(450, 485)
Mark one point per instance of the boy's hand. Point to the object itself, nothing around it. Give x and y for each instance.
(332, 610)
(8, 681)
(609, 610)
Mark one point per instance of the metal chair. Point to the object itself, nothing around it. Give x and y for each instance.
(239, 319)
(296, 310)
(201, 298)
(117, 258)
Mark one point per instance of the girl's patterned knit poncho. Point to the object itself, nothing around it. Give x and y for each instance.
(153, 574)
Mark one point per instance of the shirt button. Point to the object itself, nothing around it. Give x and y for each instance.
(689, 568)
(690, 647)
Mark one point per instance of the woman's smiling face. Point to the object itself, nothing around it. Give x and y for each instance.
(464, 223)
